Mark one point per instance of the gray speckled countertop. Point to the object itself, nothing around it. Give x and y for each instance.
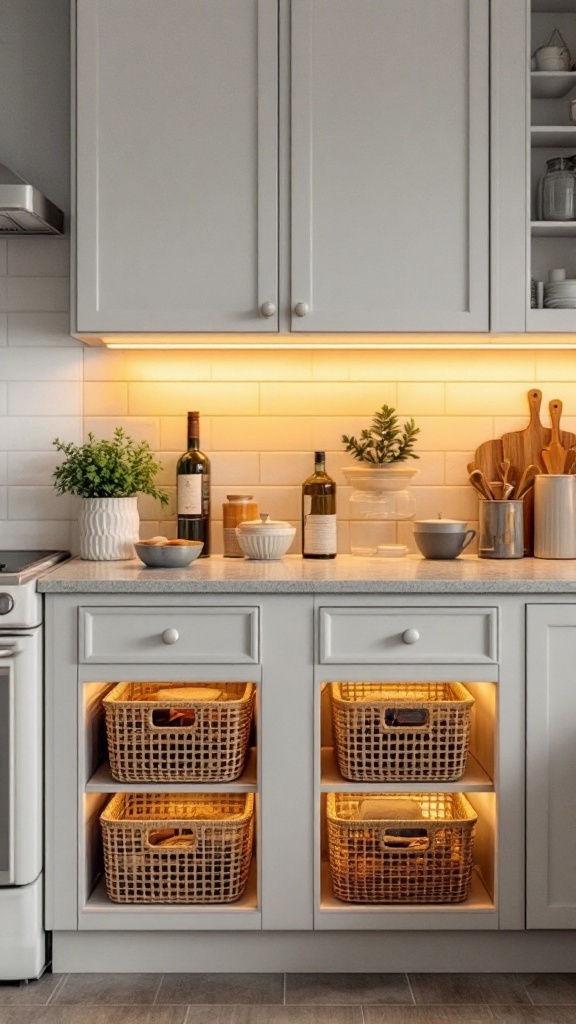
(293, 574)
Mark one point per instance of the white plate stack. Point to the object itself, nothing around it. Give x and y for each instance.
(560, 294)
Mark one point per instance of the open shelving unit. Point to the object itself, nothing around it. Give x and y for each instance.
(478, 784)
(96, 786)
(551, 134)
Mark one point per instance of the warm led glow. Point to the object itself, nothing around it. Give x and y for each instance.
(432, 342)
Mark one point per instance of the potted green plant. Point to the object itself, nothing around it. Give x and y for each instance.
(382, 448)
(108, 476)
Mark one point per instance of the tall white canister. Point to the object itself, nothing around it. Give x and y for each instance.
(555, 515)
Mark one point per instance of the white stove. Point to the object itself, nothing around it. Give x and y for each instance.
(22, 936)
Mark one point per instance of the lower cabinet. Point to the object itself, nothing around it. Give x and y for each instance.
(551, 766)
(357, 703)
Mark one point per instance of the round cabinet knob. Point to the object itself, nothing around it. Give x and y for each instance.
(170, 636)
(6, 603)
(267, 309)
(410, 636)
(301, 308)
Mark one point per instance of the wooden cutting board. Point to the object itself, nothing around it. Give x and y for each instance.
(524, 447)
(487, 457)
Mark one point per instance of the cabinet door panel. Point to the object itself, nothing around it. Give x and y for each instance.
(177, 164)
(551, 767)
(390, 165)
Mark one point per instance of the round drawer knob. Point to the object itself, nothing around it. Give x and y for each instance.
(410, 636)
(267, 309)
(301, 308)
(170, 636)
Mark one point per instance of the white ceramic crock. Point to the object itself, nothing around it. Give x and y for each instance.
(108, 528)
(265, 538)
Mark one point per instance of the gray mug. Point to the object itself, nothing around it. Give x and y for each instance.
(440, 545)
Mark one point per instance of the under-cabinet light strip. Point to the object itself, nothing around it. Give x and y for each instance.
(350, 346)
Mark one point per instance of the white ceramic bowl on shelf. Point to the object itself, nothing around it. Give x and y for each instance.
(265, 538)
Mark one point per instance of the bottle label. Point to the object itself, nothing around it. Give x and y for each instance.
(319, 534)
(190, 494)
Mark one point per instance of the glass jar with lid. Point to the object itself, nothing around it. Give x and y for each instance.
(557, 190)
(238, 508)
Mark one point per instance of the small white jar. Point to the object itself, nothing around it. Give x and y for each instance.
(265, 538)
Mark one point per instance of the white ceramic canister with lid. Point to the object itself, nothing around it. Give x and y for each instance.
(555, 515)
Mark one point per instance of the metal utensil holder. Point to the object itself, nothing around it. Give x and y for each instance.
(501, 531)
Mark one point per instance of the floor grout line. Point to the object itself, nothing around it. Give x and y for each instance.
(60, 984)
(410, 989)
(157, 993)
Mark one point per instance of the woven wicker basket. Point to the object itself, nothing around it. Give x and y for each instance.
(427, 859)
(146, 743)
(188, 848)
(417, 732)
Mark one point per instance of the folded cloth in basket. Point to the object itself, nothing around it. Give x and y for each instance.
(389, 809)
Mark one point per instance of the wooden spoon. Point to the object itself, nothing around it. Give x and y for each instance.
(556, 452)
(478, 480)
(570, 462)
(527, 480)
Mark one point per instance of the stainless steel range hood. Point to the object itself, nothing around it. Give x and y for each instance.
(24, 210)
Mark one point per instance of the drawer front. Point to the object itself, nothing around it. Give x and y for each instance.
(408, 635)
(203, 636)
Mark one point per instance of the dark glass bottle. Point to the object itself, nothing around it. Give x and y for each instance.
(319, 512)
(193, 481)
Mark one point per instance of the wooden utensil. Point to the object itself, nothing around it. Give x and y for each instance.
(478, 480)
(570, 461)
(526, 480)
(554, 455)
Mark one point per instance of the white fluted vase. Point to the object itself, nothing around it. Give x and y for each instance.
(109, 528)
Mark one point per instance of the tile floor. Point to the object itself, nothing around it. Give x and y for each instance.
(291, 999)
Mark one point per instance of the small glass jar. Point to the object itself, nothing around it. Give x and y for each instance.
(557, 190)
(238, 508)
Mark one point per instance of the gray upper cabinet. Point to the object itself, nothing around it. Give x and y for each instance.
(382, 163)
(390, 165)
(176, 110)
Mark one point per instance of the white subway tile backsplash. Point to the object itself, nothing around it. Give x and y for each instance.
(3, 504)
(456, 463)
(105, 398)
(38, 503)
(261, 433)
(37, 294)
(32, 469)
(237, 469)
(36, 433)
(3, 257)
(31, 533)
(3, 399)
(53, 398)
(3, 329)
(37, 330)
(441, 433)
(291, 469)
(3, 468)
(43, 364)
(38, 257)
(101, 363)
(324, 399)
(169, 398)
(262, 366)
(169, 366)
(3, 294)
(173, 433)
(420, 399)
(138, 427)
(480, 399)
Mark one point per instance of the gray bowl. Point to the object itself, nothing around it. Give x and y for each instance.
(168, 556)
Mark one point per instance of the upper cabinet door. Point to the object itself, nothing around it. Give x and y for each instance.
(390, 165)
(176, 192)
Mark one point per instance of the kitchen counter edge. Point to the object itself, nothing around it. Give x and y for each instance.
(346, 574)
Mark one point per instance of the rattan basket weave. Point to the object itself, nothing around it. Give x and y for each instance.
(144, 747)
(208, 861)
(376, 741)
(421, 860)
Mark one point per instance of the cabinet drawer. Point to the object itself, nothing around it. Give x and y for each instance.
(408, 635)
(169, 635)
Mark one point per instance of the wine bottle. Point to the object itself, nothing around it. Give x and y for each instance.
(319, 512)
(193, 480)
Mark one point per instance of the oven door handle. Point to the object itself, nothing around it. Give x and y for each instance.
(10, 652)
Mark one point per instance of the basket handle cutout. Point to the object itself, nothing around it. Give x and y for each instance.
(172, 838)
(416, 839)
(401, 717)
(173, 718)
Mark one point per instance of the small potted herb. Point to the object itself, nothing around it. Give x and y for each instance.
(381, 450)
(108, 476)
